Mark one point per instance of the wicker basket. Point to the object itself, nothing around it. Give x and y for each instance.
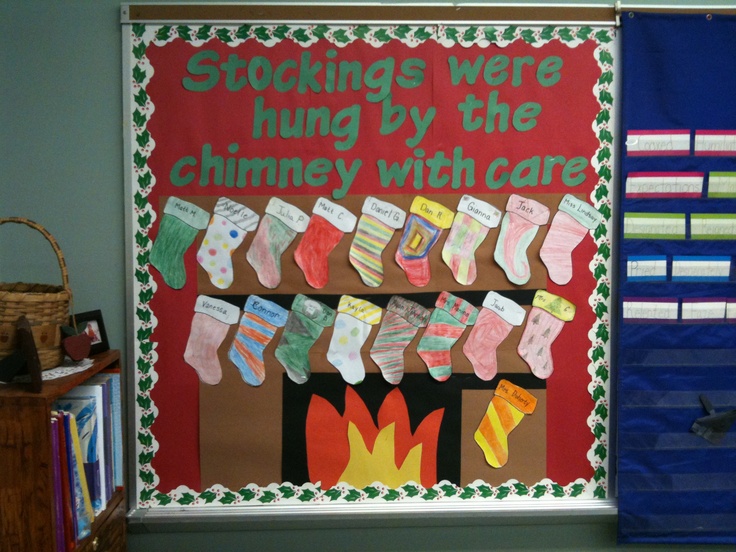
(45, 306)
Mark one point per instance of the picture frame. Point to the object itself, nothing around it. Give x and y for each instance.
(92, 323)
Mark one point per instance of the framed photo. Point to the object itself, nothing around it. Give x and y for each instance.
(91, 323)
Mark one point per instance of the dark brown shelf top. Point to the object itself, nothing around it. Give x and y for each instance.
(52, 389)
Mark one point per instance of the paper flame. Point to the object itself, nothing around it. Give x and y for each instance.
(351, 448)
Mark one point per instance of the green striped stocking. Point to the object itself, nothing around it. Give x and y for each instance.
(399, 326)
(304, 325)
(446, 324)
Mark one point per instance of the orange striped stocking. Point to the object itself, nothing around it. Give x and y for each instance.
(261, 319)
(504, 413)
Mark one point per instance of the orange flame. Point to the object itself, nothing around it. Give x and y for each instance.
(351, 448)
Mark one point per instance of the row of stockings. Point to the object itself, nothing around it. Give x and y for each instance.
(329, 222)
(353, 321)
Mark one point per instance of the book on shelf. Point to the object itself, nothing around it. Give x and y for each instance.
(105, 381)
(56, 479)
(82, 513)
(85, 412)
(68, 538)
(87, 438)
(100, 491)
(117, 426)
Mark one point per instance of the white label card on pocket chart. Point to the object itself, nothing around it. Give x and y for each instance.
(655, 226)
(701, 268)
(664, 184)
(650, 310)
(647, 268)
(715, 142)
(658, 142)
(706, 310)
(722, 185)
(715, 226)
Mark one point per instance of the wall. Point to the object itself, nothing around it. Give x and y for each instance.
(61, 165)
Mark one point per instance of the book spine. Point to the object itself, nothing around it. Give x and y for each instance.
(64, 446)
(56, 476)
(82, 502)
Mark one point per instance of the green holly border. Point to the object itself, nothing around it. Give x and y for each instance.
(144, 287)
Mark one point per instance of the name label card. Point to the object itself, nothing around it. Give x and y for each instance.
(291, 216)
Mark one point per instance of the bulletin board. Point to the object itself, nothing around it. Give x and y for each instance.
(369, 263)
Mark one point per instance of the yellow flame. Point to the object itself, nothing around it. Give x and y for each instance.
(365, 467)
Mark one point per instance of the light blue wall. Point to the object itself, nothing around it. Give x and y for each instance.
(61, 164)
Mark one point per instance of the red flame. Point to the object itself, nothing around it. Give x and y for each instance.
(328, 449)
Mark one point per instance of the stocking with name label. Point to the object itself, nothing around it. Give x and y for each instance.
(279, 226)
(305, 323)
(426, 221)
(328, 224)
(495, 321)
(375, 229)
(544, 323)
(229, 224)
(472, 222)
(210, 324)
(261, 318)
(179, 226)
(509, 405)
(519, 226)
(355, 317)
(570, 225)
(446, 324)
(400, 324)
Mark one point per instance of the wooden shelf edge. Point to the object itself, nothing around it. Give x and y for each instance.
(51, 389)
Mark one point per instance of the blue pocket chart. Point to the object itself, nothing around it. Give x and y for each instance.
(677, 281)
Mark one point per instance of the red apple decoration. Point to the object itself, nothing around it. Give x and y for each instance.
(77, 346)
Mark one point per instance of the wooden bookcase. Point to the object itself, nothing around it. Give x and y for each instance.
(26, 485)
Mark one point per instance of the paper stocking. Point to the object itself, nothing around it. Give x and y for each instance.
(446, 324)
(518, 228)
(375, 229)
(210, 324)
(352, 327)
(179, 226)
(507, 408)
(400, 324)
(544, 323)
(260, 320)
(303, 327)
(574, 220)
(495, 321)
(229, 224)
(423, 229)
(472, 222)
(326, 228)
(278, 228)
